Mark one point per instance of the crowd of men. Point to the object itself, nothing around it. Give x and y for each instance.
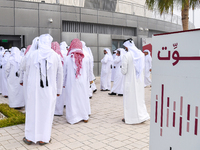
(46, 76)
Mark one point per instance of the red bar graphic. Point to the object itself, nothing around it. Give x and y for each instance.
(156, 97)
(195, 127)
(174, 115)
(167, 117)
(160, 131)
(196, 111)
(162, 97)
(188, 112)
(180, 127)
(181, 107)
(167, 101)
(188, 126)
(174, 105)
(156, 113)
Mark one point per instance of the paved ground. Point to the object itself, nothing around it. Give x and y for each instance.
(104, 131)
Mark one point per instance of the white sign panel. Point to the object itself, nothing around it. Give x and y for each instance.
(175, 99)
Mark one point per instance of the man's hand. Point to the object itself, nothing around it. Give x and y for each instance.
(58, 94)
(63, 86)
(150, 70)
(91, 82)
(21, 84)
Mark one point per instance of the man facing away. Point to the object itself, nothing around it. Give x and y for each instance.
(44, 84)
(132, 67)
(76, 82)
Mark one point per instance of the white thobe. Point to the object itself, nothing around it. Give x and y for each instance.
(106, 73)
(64, 53)
(134, 104)
(91, 75)
(1, 79)
(60, 100)
(40, 104)
(77, 100)
(113, 69)
(118, 82)
(148, 65)
(23, 77)
(4, 80)
(15, 90)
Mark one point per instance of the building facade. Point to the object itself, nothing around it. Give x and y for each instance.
(100, 23)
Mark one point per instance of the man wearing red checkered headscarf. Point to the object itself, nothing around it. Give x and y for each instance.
(76, 81)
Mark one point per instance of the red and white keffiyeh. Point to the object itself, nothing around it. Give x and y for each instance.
(76, 52)
(56, 47)
(27, 49)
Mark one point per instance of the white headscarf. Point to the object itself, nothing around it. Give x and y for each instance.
(34, 46)
(45, 52)
(109, 54)
(149, 53)
(148, 57)
(22, 52)
(2, 49)
(88, 50)
(1, 52)
(63, 48)
(138, 57)
(15, 58)
(122, 52)
(5, 57)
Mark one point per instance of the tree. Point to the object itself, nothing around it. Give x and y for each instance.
(164, 6)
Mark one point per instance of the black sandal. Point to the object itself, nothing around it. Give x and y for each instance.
(26, 141)
(41, 144)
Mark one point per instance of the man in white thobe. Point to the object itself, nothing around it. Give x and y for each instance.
(132, 67)
(87, 54)
(64, 50)
(148, 65)
(5, 58)
(106, 68)
(76, 82)
(12, 69)
(44, 84)
(23, 73)
(113, 66)
(60, 100)
(22, 52)
(118, 81)
(1, 54)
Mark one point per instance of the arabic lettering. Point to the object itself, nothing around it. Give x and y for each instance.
(176, 56)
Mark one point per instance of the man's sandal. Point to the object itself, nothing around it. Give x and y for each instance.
(43, 143)
(27, 142)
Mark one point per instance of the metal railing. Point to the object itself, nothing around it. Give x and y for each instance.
(121, 6)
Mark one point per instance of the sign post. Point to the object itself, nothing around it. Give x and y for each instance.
(175, 97)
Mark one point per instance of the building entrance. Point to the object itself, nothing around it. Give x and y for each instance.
(8, 41)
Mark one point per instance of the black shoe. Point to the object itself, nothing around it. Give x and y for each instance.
(19, 108)
(120, 94)
(58, 115)
(112, 93)
(107, 90)
(90, 97)
(94, 91)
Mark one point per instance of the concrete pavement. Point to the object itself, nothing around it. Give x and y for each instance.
(104, 130)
